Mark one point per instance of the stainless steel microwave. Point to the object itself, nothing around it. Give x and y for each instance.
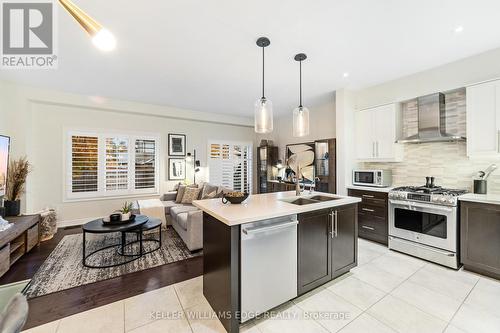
(377, 178)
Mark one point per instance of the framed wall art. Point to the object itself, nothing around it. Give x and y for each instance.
(176, 169)
(177, 145)
(300, 157)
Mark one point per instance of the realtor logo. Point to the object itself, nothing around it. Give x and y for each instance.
(28, 35)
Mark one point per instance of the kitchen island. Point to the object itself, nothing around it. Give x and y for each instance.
(273, 248)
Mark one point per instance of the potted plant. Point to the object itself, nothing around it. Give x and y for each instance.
(16, 181)
(126, 211)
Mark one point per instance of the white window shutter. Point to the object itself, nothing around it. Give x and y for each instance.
(117, 164)
(230, 165)
(84, 161)
(109, 165)
(145, 164)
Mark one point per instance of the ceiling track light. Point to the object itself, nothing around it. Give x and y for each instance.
(102, 38)
(263, 115)
(301, 113)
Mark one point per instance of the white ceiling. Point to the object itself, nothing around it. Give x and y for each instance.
(201, 55)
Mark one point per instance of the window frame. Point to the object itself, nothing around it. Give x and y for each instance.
(102, 193)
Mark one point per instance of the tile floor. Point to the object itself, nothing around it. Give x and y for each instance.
(387, 292)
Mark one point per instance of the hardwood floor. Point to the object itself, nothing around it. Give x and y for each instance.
(55, 306)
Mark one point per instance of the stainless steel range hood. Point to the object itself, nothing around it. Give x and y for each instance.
(431, 121)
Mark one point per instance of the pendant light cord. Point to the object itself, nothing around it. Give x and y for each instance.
(263, 72)
(300, 84)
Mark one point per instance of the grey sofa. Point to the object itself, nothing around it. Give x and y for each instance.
(186, 219)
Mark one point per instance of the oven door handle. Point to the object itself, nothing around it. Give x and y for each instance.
(410, 204)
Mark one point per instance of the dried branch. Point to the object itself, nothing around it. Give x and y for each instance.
(16, 178)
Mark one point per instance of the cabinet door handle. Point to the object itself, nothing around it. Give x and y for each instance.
(336, 220)
(498, 141)
(376, 145)
(367, 196)
(373, 149)
(330, 215)
(272, 227)
(368, 210)
(366, 227)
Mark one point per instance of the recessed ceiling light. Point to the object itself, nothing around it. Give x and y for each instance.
(459, 29)
(346, 74)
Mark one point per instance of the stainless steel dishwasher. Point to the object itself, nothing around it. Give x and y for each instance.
(268, 264)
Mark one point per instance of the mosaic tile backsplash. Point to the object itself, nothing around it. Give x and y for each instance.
(455, 121)
(447, 161)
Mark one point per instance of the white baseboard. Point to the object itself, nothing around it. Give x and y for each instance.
(77, 222)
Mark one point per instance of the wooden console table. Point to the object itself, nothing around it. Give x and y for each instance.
(19, 239)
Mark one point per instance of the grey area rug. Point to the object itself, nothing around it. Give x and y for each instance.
(63, 269)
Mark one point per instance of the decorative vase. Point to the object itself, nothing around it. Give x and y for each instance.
(12, 208)
(126, 216)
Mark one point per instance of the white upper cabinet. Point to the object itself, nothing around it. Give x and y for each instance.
(377, 130)
(483, 119)
(365, 135)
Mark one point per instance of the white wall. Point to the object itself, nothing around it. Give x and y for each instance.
(345, 138)
(457, 74)
(3, 107)
(482, 67)
(37, 119)
(322, 125)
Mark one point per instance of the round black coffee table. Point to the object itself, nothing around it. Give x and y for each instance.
(98, 227)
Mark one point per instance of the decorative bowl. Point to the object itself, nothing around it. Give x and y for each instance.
(107, 220)
(230, 197)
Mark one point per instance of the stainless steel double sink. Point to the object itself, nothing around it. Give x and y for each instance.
(310, 200)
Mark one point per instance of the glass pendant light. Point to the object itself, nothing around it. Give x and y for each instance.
(102, 38)
(263, 106)
(301, 113)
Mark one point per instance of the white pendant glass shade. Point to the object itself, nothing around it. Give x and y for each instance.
(263, 116)
(300, 121)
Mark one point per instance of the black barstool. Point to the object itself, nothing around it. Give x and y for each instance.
(148, 226)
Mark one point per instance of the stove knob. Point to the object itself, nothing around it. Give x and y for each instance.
(444, 200)
(451, 201)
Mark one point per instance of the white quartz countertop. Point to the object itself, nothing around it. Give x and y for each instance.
(370, 188)
(483, 198)
(264, 206)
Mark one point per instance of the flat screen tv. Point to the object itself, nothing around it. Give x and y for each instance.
(4, 162)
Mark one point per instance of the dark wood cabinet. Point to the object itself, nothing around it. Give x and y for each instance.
(373, 215)
(314, 253)
(277, 186)
(325, 165)
(344, 241)
(480, 238)
(327, 245)
(267, 158)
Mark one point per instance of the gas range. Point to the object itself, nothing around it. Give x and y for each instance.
(423, 222)
(434, 195)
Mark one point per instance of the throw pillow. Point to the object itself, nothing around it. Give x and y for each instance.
(190, 194)
(181, 190)
(210, 195)
(180, 193)
(208, 188)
